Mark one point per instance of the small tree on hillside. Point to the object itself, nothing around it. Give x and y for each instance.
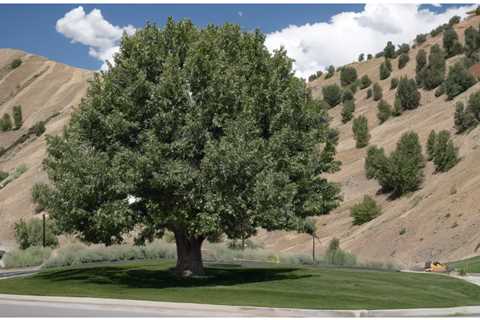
(408, 94)
(431, 142)
(384, 111)
(472, 41)
(459, 79)
(369, 56)
(361, 57)
(365, 211)
(454, 20)
(332, 94)
(6, 124)
(347, 95)
(17, 116)
(384, 71)
(420, 38)
(446, 154)
(365, 82)
(450, 42)
(421, 59)
(434, 74)
(397, 107)
(348, 75)
(463, 119)
(330, 72)
(360, 131)
(347, 110)
(393, 83)
(402, 171)
(377, 92)
(403, 60)
(389, 51)
(375, 162)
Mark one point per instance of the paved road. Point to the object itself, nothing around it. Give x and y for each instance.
(27, 306)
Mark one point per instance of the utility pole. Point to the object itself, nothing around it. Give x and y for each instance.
(44, 232)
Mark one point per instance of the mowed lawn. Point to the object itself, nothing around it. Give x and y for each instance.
(469, 265)
(265, 286)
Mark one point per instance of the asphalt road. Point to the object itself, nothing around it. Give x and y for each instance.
(33, 306)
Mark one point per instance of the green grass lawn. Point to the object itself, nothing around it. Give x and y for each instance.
(470, 265)
(266, 286)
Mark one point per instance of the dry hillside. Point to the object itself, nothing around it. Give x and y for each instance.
(441, 220)
(45, 89)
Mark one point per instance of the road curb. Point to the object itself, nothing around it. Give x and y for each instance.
(209, 310)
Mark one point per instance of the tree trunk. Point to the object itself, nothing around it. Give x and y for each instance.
(189, 255)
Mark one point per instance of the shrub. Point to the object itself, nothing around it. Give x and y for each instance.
(315, 76)
(402, 171)
(369, 93)
(458, 80)
(361, 57)
(336, 256)
(389, 51)
(369, 56)
(438, 30)
(472, 41)
(30, 234)
(365, 211)
(431, 141)
(450, 42)
(332, 94)
(39, 195)
(397, 107)
(347, 95)
(330, 72)
(402, 49)
(408, 94)
(39, 128)
(393, 83)
(6, 123)
(3, 175)
(434, 73)
(403, 60)
(464, 119)
(384, 71)
(17, 116)
(377, 92)
(445, 154)
(454, 20)
(360, 131)
(440, 90)
(348, 75)
(353, 86)
(384, 111)
(365, 82)
(347, 111)
(15, 63)
(420, 38)
(21, 169)
(375, 162)
(33, 256)
(421, 59)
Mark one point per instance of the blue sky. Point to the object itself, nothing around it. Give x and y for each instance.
(32, 28)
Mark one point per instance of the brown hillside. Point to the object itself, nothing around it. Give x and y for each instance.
(441, 220)
(43, 88)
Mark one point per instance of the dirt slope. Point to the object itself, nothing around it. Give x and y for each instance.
(441, 220)
(43, 88)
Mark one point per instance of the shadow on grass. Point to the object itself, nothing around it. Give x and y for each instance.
(161, 279)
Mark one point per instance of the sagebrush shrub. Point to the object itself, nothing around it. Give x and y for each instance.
(365, 211)
(360, 131)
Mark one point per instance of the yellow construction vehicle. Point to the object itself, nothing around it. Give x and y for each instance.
(436, 267)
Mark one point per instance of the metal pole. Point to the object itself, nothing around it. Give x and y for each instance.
(43, 238)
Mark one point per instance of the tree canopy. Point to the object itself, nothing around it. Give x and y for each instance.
(196, 131)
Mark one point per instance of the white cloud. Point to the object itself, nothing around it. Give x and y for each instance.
(340, 41)
(94, 31)
(240, 13)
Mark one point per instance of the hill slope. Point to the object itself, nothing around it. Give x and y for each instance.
(440, 220)
(45, 89)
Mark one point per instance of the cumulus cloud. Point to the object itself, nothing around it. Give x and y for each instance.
(340, 41)
(94, 31)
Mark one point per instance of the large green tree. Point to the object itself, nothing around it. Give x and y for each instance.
(196, 131)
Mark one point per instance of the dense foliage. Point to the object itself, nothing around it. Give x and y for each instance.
(30, 234)
(365, 82)
(459, 79)
(332, 94)
(408, 94)
(384, 111)
(365, 211)
(348, 75)
(17, 117)
(377, 92)
(360, 131)
(195, 131)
